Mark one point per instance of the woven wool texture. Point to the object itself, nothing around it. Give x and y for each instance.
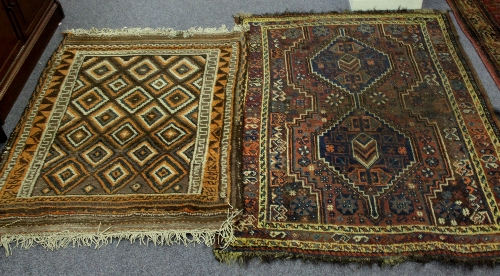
(131, 135)
(366, 138)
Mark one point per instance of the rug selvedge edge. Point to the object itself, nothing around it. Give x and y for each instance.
(241, 18)
(241, 258)
(101, 237)
(466, 61)
(159, 32)
(478, 43)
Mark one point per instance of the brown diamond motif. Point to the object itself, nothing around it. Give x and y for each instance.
(135, 99)
(66, 175)
(177, 98)
(170, 134)
(124, 134)
(115, 175)
(163, 174)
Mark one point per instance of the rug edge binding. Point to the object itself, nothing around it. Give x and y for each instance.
(242, 258)
(241, 16)
(163, 32)
(102, 237)
(478, 45)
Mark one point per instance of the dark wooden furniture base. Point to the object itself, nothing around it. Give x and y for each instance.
(33, 23)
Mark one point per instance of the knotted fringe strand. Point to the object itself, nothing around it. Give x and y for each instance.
(165, 32)
(63, 239)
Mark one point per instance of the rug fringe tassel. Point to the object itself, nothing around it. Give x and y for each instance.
(166, 32)
(63, 239)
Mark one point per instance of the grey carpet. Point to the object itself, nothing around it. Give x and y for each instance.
(136, 259)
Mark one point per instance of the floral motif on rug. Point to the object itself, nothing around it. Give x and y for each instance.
(128, 137)
(366, 138)
(480, 21)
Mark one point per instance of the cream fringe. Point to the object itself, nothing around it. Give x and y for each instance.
(52, 241)
(166, 32)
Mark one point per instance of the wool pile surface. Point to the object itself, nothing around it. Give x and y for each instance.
(367, 138)
(130, 134)
(480, 21)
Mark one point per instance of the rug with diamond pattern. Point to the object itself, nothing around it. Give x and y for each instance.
(367, 138)
(131, 135)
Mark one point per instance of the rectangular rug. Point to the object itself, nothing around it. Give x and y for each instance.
(130, 134)
(367, 138)
(480, 21)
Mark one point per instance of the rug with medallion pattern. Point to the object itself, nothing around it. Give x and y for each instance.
(367, 138)
(130, 134)
(480, 21)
